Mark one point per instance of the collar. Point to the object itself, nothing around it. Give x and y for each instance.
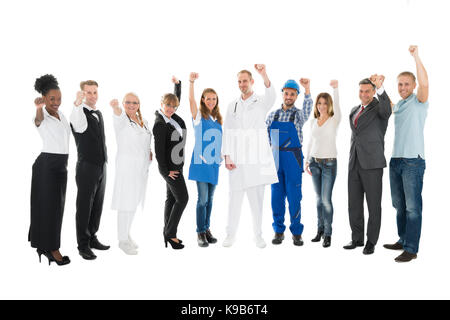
(89, 108)
(167, 120)
(293, 109)
(252, 98)
(411, 96)
(46, 114)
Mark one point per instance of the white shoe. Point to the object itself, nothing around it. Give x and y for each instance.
(228, 242)
(260, 243)
(128, 248)
(134, 244)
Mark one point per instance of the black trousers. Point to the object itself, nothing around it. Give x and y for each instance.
(176, 201)
(369, 182)
(48, 195)
(91, 182)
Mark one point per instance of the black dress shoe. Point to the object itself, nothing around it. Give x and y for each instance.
(278, 239)
(395, 246)
(95, 244)
(201, 240)
(87, 254)
(297, 240)
(318, 237)
(326, 242)
(406, 257)
(353, 244)
(209, 237)
(369, 248)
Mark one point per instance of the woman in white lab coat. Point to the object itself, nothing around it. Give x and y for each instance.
(132, 162)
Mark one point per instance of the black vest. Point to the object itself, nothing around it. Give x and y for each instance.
(91, 145)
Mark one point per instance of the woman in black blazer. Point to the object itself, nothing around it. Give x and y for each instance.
(169, 132)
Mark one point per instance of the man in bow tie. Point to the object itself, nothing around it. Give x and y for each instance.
(88, 130)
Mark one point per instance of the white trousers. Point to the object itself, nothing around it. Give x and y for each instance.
(124, 221)
(255, 196)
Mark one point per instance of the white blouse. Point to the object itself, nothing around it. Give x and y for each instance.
(54, 133)
(322, 143)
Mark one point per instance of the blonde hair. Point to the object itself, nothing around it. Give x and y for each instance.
(328, 101)
(170, 99)
(408, 74)
(138, 112)
(88, 83)
(204, 109)
(247, 72)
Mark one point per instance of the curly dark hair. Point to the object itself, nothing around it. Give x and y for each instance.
(46, 83)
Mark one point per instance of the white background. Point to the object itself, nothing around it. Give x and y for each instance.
(137, 46)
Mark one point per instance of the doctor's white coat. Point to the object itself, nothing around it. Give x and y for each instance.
(246, 141)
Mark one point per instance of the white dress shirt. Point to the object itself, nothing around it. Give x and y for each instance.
(54, 133)
(78, 118)
(172, 122)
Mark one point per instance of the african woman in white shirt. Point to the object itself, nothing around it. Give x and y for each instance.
(49, 177)
(132, 161)
(321, 158)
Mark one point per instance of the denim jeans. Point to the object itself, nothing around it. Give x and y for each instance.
(204, 205)
(324, 175)
(406, 177)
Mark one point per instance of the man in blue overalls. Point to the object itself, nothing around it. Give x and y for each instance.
(285, 132)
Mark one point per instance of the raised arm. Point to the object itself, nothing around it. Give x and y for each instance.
(39, 102)
(307, 102)
(193, 104)
(270, 95)
(177, 88)
(422, 76)
(385, 107)
(336, 103)
(77, 117)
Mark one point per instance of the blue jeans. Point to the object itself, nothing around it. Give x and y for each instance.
(406, 177)
(324, 175)
(204, 205)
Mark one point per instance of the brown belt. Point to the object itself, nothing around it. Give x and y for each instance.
(324, 160)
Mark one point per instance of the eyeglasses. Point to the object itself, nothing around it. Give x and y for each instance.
(132, 102)
(169, 106)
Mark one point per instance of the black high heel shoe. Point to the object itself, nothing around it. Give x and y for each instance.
(65, 260)
(175, 245)
(40, 253)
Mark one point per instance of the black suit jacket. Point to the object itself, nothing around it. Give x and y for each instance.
(367, 144)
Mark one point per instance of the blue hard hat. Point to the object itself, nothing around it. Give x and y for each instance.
(291, 84)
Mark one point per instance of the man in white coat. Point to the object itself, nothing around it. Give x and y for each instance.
(247, 152)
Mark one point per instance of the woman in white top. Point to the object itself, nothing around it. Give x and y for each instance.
(132, 162)
(49, 177)
(321, 158)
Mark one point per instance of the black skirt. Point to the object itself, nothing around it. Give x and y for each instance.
(48, 195)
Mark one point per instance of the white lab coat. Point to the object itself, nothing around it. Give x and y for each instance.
(246, 141)
(132, 163)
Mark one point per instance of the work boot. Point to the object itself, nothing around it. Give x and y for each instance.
(201, 240)
(278, 239)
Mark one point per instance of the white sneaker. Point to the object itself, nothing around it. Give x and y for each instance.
(260, 243)
(228, 242)
(134, 244)
(128, 248)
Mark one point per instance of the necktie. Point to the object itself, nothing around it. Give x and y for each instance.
(357, 116)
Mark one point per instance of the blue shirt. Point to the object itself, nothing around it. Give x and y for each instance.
(410, 115)
(300, 118)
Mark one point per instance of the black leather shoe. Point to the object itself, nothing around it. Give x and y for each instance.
(87, 254)
(201, 240)
(318, 237)
(278, 239)
(395, 246)
(353, 244)
(209, 237)
(369, 248)
(326, 242)
(406, 257)
(95, 244)
(297, 240)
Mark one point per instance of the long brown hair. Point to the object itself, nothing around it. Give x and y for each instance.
(204, 109)
(328, 101)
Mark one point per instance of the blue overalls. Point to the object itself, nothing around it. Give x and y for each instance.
(287, 152)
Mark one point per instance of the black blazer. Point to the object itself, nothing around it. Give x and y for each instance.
(169, 144)
(367, 144)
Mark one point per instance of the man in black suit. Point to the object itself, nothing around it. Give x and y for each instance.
(89, 133)
(368, 122)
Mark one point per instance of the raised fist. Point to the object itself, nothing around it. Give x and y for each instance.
(334, 84)
(39, 102)
(377, 80)
(193, 76)
(261, 68)
(114, 103)
(80, 98)
(414, 50)
(175, 80)
(305, 83)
